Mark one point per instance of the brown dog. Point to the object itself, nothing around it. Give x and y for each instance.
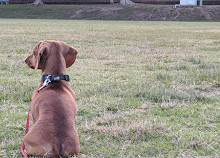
(53, 107)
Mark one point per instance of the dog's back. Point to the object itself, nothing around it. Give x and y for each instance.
(54, 130)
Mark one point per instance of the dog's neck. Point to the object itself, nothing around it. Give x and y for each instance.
(54, 70)
(54, 65)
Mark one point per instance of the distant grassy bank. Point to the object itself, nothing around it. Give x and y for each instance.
(144, 89)
(143, 12)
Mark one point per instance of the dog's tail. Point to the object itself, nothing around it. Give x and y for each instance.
(56, 152)
(61, 150)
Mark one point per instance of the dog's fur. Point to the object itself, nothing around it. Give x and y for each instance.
(53, 108)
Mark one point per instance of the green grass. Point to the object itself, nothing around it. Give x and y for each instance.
(144, 89)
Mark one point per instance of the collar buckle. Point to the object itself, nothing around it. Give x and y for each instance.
(46, 82)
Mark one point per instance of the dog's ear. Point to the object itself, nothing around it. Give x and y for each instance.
(70, 56)
(39, 49)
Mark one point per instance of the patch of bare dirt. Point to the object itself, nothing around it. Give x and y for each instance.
(110, 11)
(146, 13)
(80, 12)
(207, 13)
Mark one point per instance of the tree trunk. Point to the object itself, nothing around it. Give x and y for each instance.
(37, 2)
(126, 2)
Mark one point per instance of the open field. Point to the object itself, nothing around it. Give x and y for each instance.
(144, 89)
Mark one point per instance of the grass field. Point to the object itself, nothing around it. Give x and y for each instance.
(144, 89)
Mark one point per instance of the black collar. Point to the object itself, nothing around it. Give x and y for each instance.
(47, 79)
(55, 77)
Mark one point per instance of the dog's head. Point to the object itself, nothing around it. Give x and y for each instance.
(46, 50)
